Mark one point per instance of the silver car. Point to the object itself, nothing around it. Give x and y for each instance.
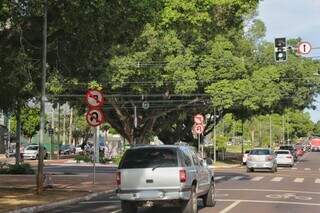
(165, 175)
(261, 158)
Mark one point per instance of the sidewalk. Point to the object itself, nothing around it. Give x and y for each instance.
(18, 191)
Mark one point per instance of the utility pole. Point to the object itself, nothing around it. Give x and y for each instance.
(283, 130)
(59, 128)
(214, 135)
(64, 124)
(270, 128)
(70, 126)
(43, 93)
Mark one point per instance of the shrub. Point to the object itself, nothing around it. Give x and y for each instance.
(84, 158)
(24, 168)
(117, 159)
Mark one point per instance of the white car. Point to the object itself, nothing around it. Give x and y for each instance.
(31, 152)
(284, 157)
(78, 149)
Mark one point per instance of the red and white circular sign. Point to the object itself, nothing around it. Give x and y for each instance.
(198, 128)
(95, 117)
(198, 119)
(304, 47)
(94, 98)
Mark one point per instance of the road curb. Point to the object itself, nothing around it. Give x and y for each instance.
(54, 205)
(227, 167)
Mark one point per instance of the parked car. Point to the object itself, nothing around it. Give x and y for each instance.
(261, 158)
(164, 175)
(32, 152)
(284, 157)
(67, 149)
(244, 157)
(78, 149)
(291, 149)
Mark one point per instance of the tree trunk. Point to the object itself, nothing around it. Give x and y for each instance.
(70, 126)
(18, 133)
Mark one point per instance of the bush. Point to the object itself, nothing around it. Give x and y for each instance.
(24, 168)
(117, 159)
(84, 158)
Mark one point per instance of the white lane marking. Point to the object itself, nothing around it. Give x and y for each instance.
(100, 201)
(257, 178)
(219, 177)
(280, 168)
(307, 169)
(237, 178)
(298, 180)
(317, 180)
(270, 190)
(116, 211)
(269, 201)
(276, 179)
(294, 168)
(228, 208)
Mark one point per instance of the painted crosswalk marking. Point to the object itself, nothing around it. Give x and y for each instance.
(257, 178)
(219, 177)
(276, 179)
(317, 180)
(298, 180)
(294, 168)
(237, 178)
(307, 169)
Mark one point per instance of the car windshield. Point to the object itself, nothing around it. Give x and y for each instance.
(149, 158)
(32, 148)
(260, 152)
(286, 147)
(282, 152)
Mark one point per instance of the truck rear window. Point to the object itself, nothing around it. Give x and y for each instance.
(149, 158)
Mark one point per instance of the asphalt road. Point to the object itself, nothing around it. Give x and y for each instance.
(291, 190)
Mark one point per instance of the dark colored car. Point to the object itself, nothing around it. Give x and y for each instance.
(67, 149)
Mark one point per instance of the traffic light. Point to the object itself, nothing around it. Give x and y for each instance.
(280, 49)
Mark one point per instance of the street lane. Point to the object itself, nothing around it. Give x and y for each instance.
(289, 190)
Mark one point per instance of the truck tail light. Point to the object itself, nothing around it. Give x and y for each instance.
(183, 176)
(118, 178)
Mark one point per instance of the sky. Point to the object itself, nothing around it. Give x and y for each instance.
(292, 19)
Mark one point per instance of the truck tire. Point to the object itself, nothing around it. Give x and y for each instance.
(191, 206)
(128, 207)
(209, 198)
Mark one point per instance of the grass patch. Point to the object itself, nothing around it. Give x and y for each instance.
(11, 199)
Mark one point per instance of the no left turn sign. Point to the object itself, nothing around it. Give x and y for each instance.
(95, 117)
(304, 47)
(94, 98)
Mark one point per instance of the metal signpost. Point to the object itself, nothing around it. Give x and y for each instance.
(95, 117)
(198, 128)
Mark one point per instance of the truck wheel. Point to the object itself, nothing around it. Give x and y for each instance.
(209, 198)
(128, 207)
(191, 206)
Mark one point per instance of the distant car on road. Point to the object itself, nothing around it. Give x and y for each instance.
(31, 152)
(67, 149)
(261, 158)
(164, 175)
(244, 157)
(284, 157)
(291, 149)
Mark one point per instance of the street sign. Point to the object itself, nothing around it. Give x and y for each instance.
(145, 105)
(198, 128)
(95, 117)
(304, 47)
(94, 98)
(198, 119)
